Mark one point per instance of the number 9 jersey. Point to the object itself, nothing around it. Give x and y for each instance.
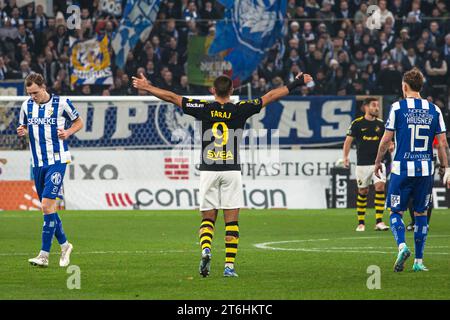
(416, 122)
(222, 127)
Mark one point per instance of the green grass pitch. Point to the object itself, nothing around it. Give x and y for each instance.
(283, 254)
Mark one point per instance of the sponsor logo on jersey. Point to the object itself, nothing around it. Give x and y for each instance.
(194, 105)
(375, 138)
(42, 121)
(219, 155)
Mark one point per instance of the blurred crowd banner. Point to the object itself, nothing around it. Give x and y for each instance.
(12, 88)
(90, 62)
(202, 67)
(136, 25)
(143, 122)
(249, 29)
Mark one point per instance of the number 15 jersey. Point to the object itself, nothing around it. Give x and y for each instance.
(222, 128)
(416, 122)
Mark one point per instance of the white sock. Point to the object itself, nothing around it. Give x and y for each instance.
(43, 253)
(65, 244)
(229, 265)
(419, 261)
(401, 246)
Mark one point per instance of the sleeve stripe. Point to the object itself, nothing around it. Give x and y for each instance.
(442, 127)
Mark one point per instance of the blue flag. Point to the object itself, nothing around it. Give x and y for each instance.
(250, 28)
(136, 24)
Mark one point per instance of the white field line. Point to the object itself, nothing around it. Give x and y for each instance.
(363, 249)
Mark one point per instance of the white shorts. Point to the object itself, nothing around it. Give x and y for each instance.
(365, 176)
(221, 190)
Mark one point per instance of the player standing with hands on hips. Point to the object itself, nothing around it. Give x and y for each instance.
(43, 117)
(413, 122)
(220, 170)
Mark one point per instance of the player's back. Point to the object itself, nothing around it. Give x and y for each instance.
(222, 129)
(415, 122)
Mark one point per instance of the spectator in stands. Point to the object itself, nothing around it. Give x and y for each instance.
(389, 79)
(360, 60)
(411, 60)
(3, 69)
(61, 39)
(26, 37)
(185, 88)
(398, 9)
(10, 6)
(59, 64)
(384, 12)
(61, 83)
(398, 52)
(41, 19)
(209, 14)
(311, 8)
(190, 13)
(436, 68)
(414, 18)
(308, 33)
(168, 82)
(327, 15)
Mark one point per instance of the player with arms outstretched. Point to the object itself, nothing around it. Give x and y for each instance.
(43, 117)
(220, 176)
(413, 122)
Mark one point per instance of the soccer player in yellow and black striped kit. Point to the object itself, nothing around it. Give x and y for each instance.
(222, 124)
(367, 131)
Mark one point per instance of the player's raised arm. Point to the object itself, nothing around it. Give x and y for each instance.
(142, 83)
(275, 94)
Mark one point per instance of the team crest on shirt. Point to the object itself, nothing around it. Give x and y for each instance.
(56, 178)
(395, 200)
(50, 112)
(377, 129)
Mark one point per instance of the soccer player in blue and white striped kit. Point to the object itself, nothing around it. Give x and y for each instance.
(413, 123)
(44, 118)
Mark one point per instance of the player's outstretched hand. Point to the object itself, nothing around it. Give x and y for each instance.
(140, 83)
(378, 170)
(346, 162)
(63, 134)
(21, 131)
(306, 77)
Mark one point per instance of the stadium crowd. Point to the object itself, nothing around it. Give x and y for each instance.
(326, 38)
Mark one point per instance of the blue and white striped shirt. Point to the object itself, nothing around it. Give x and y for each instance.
(43, 122)
(416, 122)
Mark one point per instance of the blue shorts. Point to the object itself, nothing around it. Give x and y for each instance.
(49, 180)
(402, 188)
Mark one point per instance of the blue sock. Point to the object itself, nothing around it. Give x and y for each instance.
(59, 231)
(420, 235)
(48, 231)
(398, 227)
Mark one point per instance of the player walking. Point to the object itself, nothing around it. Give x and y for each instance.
(413, 123)
(220, 170)
(367, 131)
(43, 117)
